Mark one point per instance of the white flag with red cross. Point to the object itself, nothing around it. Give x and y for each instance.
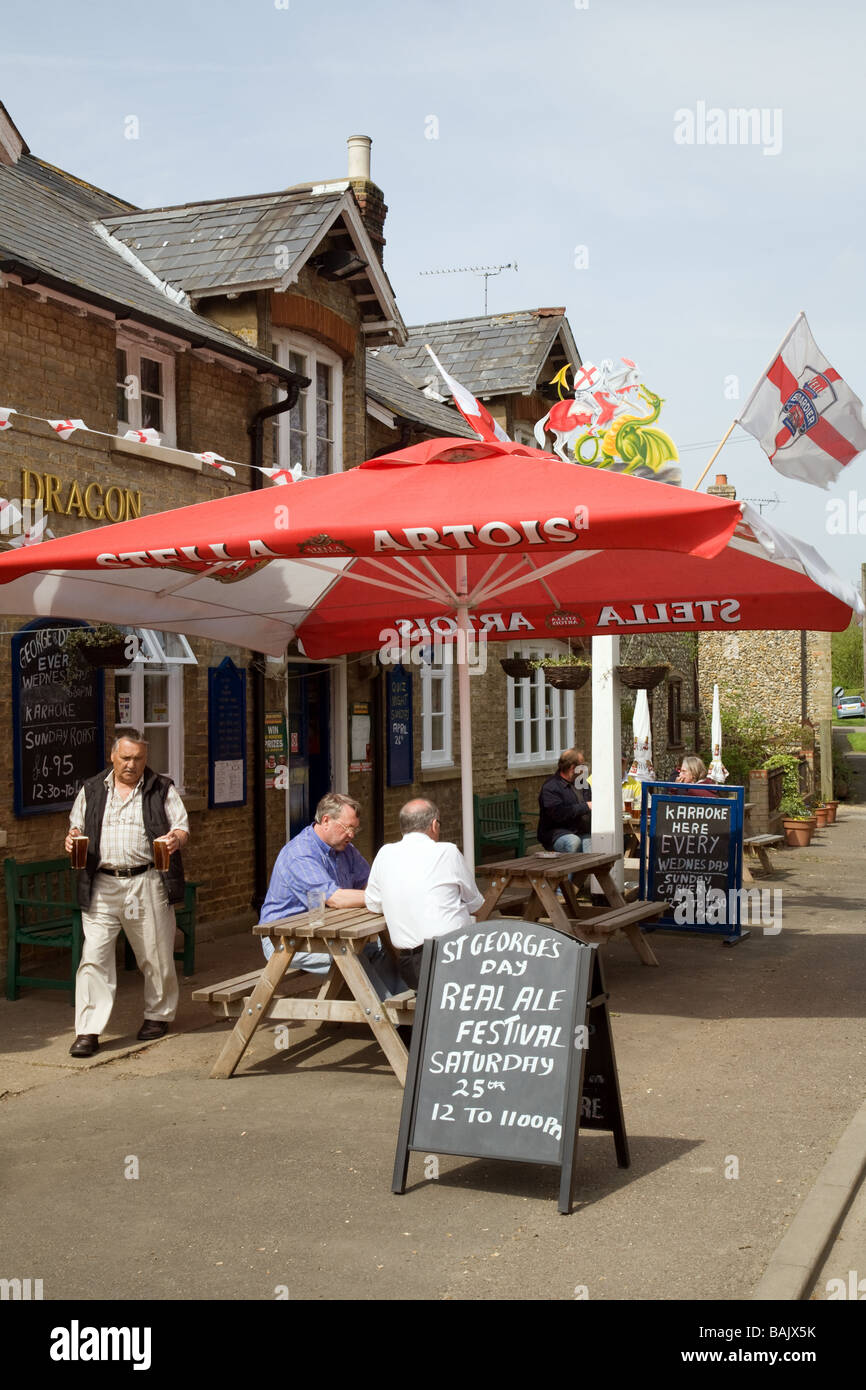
(216, 461)
(476, 415)
(66, 427)
(807, 420)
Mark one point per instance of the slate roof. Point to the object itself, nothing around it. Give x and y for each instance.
(47, 232)
(208, 246)
(402, 393)
(495, 354)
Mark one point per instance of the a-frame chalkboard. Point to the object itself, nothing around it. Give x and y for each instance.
(511, 1051)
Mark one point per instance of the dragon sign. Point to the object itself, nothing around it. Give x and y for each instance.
(606, 419)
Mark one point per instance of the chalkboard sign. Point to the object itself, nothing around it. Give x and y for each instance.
(399, 723)
(508, 1017)
(227, 734)
(692, 855)
(58, 727)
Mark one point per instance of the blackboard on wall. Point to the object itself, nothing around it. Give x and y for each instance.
(227, 734)
(398, 685)
(57, 722)
(505, 1028)
(692, 851)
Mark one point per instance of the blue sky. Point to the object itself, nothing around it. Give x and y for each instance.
(554, 128)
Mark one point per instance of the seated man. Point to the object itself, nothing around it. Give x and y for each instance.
(423, 887)
(322, 857)
(564, 819)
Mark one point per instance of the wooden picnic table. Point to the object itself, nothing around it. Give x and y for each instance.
(546, 874)
(346, 994)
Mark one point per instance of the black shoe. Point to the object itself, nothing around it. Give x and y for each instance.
(85, 1045)
(152, 1029)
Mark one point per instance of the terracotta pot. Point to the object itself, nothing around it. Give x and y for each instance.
(798, 833)
(822, 817)
(832, 807)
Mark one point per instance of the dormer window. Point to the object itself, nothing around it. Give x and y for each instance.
(311, 434)
(145, 390)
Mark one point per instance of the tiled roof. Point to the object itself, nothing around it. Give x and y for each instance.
(396, 389)
(244, 241)
(47, 227)
(490, 355)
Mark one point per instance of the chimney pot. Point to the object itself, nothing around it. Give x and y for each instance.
(721, 480)
(359, 156)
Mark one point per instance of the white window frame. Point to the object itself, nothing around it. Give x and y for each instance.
(135, 350)
(313, 353)
(151, 656)
(562, 706)
(438, 669)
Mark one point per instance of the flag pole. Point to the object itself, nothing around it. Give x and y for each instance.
(715, 456)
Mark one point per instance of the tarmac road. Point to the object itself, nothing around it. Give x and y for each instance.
(134, 1176)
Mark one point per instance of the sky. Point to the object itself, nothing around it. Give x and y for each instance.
(563, 135)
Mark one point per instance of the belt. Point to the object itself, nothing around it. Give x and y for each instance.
(409, 951)
(124, 873)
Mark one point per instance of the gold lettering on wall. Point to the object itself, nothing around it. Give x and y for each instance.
(114, 505)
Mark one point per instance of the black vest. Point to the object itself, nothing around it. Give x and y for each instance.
(153, 795)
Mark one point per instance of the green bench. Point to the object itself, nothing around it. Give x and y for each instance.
(499, 823)
(43, 911)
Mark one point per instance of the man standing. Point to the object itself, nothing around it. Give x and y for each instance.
(323, 859)
(423, 887)
(564, 811)
(122, 811)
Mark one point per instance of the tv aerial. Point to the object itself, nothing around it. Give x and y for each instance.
(761, 502)
(485, 270)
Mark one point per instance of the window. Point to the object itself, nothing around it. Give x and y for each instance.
(149, 696)
(675, 697)
(145, 390)
(311, 433)
(540, 718)
(436, 704)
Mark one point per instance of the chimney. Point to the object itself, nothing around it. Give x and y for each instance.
(371, 199)
(722, 488)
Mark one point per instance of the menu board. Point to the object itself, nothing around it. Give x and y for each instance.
(57, 720)
(276, 752)
(501, 1039)
(227, 734)
(692, 858)
(398, 719)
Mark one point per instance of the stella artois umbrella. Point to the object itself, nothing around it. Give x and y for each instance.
(491, 540)
(717, 770)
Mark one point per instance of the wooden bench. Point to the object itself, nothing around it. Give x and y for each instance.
(226, 997)
(760, 844)
(42, 908)
(499, 823)
(599, 925)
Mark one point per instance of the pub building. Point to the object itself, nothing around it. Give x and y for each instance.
(195, 321)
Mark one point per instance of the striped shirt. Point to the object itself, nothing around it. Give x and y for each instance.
(123, 843)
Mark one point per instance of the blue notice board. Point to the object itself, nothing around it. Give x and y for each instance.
(692, 855)
(399, 727)
(226, 735)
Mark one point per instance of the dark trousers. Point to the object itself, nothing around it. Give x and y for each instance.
(409, 965)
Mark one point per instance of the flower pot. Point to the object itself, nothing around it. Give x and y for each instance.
(832, 807)
(643, 677)
(798, 833)
(567, 677)
(822, 817)
(518, 667)
(112, 654)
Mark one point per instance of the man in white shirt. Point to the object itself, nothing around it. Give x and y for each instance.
(423, 887)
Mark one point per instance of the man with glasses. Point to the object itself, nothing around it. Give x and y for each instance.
(323, 859)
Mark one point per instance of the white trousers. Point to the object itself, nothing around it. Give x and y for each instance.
(140, 906)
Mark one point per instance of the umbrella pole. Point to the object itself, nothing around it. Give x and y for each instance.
(463, 633)
(606, 755)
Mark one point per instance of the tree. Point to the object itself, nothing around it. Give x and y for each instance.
(847, 650)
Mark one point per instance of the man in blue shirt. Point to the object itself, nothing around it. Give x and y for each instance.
(322, 857)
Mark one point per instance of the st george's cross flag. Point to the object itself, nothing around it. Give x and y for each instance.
(807, 420)
(476, 415)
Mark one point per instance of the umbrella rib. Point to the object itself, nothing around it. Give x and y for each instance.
(445, 588)
(486, 576)
(359, 578)
(190, 579)
(511, 583)
(544, 584)
(420, 587)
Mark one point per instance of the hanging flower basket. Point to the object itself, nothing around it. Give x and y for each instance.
(643, 677)
(518, 667)
(113, 654)
(101, 646)
(564, 676)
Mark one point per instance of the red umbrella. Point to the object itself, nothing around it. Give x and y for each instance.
(448, 534)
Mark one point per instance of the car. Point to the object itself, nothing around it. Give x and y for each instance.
(850, 707)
